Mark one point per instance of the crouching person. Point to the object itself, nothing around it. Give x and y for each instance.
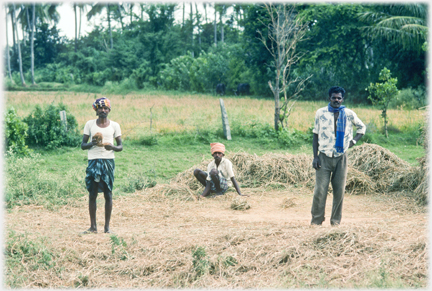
(219, 176)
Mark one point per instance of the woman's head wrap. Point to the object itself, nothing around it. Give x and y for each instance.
(101, 102)
(217, 147)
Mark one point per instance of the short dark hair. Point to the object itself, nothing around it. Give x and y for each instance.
(336, 89)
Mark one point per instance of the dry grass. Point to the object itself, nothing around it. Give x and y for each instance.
(176, 113)
(167, 243)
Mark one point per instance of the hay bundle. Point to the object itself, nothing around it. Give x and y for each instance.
(187, 177)
(380, 164)
(240, 204)
(253, 171)
(358, 182)
(422, 190)
(287, 202)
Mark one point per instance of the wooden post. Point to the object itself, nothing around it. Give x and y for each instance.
(225, 124)
(63, 118)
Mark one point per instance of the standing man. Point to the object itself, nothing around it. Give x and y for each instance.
(333, 136)
(100, 169)
(220, 175)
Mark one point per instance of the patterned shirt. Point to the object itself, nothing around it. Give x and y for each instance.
(325, 129)
(225, 169)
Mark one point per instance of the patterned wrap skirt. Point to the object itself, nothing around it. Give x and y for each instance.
(223, 185)
(100, 170)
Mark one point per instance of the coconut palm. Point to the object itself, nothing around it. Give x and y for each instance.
(96, 9)
(401, 24)
(32, 42)
(14, 21)
(7, 48)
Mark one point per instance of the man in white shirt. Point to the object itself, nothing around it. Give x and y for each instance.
(332, 137)
(220, 175)
(101, 166)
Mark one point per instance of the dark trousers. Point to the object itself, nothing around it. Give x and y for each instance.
(332, 170)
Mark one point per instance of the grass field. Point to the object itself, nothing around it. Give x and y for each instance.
(176, 113)
(166, 242)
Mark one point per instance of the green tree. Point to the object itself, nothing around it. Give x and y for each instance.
(382, 93)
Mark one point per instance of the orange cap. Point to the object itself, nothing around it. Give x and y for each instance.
(217, 147)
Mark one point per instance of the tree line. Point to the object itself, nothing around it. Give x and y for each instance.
(144, 46)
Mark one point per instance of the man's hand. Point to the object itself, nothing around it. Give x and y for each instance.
(94, 142)
(316, 164)
(109, 147)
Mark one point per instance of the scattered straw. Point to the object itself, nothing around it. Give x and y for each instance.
(288, 202)
(240, 204)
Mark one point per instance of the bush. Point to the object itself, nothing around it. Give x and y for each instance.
(175, 76)
(141, 74)
(410, 99)
(46, 129)
(16, 133)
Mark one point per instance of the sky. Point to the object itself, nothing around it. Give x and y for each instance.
(67, 18)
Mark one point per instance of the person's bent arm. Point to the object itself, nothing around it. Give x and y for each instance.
(85, 145)
(316, 164)
(236, 186)
(356, 138)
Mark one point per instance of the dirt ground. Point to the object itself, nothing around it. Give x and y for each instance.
(381, 242)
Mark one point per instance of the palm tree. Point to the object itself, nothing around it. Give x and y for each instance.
(7, 47)
(222, 9)
(76, 26)
(19, 46)
(97, 9)
(32, 42)
(198, 18)
(401, 24)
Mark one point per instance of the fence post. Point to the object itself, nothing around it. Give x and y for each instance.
(63, 118)
(225, 124)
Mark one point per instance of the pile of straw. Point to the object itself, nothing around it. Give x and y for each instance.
(387, 172)
(380, 164)
(253, 171)
(371, 168)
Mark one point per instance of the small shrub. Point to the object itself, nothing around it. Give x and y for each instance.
(120, 245)
(200, 261)
(149, 140)
(24, 255)
(16, 133)
(46, 129)
(140, 181)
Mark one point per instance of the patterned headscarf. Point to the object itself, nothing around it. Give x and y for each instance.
(101, 102)
(217, 147)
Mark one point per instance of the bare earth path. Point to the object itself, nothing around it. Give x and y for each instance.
(382, 242)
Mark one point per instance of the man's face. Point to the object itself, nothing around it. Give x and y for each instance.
(103, 111)
(336, 100)
(218, 156)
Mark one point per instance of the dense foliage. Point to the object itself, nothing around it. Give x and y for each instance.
(346, 45)
(15, 133)
(46, 129)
